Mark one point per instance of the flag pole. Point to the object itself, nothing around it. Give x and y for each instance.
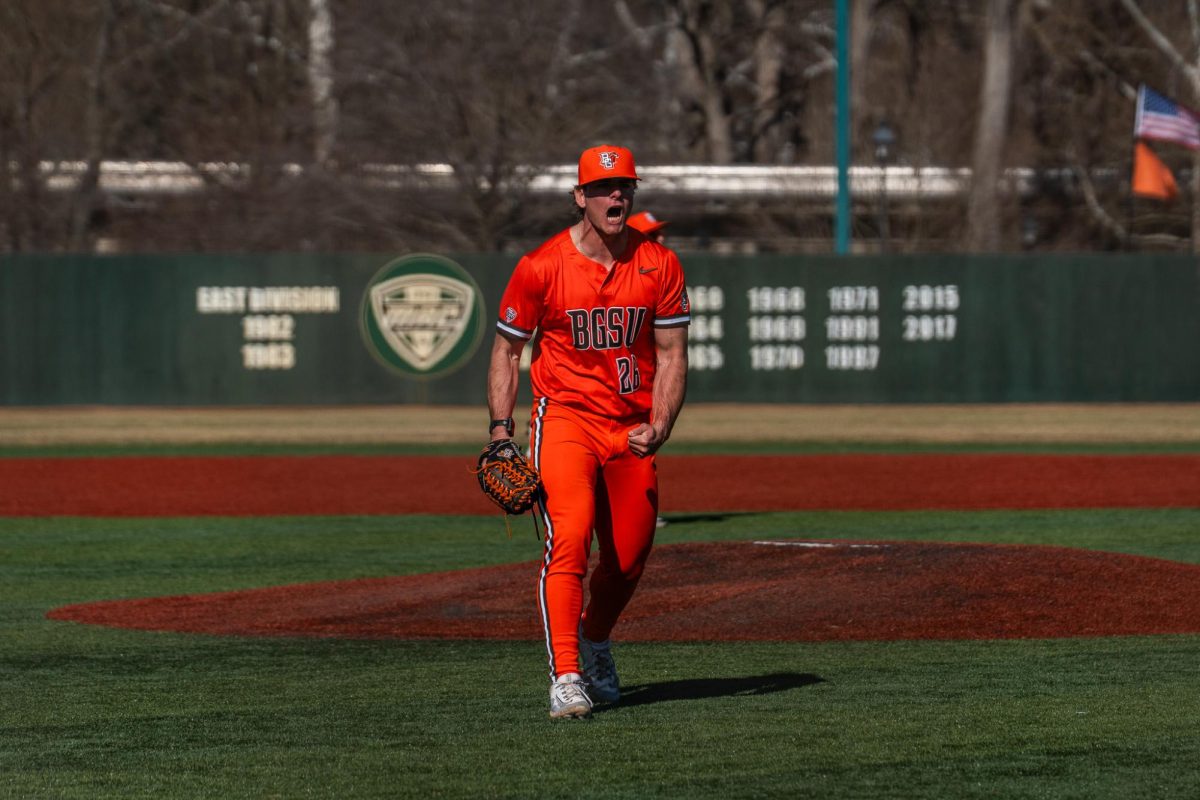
(1195, 192)
(1131, 206)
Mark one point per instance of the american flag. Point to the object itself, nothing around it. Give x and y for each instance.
(1163, 119)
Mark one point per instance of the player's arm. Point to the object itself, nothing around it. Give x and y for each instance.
(670, 388)
(503, 376)
(522, 306)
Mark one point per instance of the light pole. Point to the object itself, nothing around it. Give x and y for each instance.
(842, 126)
(885, 139)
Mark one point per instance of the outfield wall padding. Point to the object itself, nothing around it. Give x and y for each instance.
(289, 329)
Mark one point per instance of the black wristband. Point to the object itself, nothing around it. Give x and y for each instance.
(507, 422)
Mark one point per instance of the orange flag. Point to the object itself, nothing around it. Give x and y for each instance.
(1151, 177)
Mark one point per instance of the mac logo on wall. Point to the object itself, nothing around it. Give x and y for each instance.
(422, 315)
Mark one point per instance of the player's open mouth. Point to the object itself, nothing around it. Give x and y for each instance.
(615, 213)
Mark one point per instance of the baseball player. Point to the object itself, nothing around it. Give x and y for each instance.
(608, 376)
(649, 225)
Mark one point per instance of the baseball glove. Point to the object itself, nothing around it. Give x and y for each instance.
(507, 478)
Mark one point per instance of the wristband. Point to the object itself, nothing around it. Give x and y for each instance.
(507, 422)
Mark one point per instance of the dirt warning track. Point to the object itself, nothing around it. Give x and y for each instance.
(306, 485)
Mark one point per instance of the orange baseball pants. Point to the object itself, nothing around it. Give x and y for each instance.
(592, 482)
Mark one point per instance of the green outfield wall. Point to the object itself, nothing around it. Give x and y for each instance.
(346, 329)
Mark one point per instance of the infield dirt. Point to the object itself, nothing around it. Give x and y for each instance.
(776, 590)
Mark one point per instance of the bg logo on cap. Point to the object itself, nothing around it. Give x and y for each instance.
(606, 161)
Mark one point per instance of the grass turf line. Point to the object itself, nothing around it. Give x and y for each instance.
(91, 712)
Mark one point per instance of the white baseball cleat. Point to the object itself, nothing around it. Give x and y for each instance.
(569, 698)
(601, 670)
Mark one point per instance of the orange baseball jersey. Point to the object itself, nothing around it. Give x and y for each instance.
(594, 349)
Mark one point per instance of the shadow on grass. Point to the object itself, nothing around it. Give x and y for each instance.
(702, 688)
(720, 516)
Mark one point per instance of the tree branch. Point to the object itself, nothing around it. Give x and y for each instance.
(1194, 18)
(85, 195)
(189, 23)
(1097, 211)
(1160, 41)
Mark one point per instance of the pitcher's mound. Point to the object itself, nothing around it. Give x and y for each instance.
(778, 590)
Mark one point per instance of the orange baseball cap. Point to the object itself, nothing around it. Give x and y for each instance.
(606, 161)
(646, 222)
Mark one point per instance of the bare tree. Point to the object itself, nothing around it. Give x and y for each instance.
(744, 71)
(314, 135)
(983, 220)
(84, 200)
(694, 49)
(1079, 97)
(41, 95)
(1190, 70)
(321, 79)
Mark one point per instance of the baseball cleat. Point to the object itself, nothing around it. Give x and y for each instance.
(569, 698)
(601, 670)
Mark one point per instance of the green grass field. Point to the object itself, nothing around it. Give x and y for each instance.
(96, 713)
(87, 712)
